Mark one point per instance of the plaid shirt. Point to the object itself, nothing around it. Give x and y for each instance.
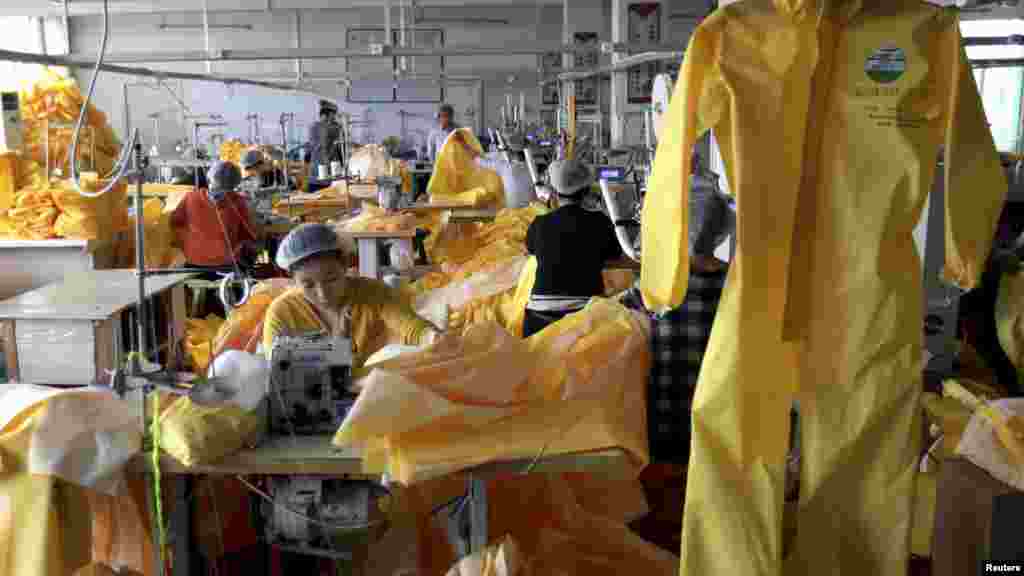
(678, 341)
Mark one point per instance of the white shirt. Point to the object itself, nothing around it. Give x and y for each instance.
(436, 140)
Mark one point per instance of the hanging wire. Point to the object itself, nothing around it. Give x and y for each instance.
(121, 168)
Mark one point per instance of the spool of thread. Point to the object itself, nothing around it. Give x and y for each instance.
(335, 169)
(321, 171)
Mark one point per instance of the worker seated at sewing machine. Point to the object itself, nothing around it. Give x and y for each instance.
(571, 245)
(214, 224)
(259, 169)
(325, 299)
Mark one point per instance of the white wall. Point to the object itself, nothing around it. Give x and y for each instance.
(324, 28)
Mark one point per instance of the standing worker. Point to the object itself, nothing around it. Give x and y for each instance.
(323, 135)
(445, 126)
(255, 164)
(215, 225)
(571, 245)
(678, 341)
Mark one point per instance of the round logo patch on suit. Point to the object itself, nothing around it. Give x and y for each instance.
(886, 64)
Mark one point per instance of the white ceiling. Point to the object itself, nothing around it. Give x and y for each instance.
(91, 7)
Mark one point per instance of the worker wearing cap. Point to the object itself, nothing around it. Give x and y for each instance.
(326, 299)
(572, 246)
(214, 224)
(322, 136)
(445, 126)
(256, 165)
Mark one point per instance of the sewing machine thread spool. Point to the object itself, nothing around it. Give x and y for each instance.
(335, 169)
(321, 171)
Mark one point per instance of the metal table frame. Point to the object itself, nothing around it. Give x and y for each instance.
(315, 455)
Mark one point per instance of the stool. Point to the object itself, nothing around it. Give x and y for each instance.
(198, 289)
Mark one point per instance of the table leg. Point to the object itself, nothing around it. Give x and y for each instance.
(369, 258)
(477, 514)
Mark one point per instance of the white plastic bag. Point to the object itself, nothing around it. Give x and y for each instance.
(980, 445)
(241, 379)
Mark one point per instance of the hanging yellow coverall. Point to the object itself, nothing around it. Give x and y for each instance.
(829, 115)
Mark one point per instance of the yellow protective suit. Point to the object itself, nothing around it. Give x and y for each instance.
(829, 115)
(458, 178)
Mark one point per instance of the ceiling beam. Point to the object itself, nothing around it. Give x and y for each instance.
(532, 48)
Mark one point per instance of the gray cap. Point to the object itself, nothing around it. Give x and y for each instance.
(223, 176)
(251, 158)
(569, 177)
(305, 241)
(712, 217)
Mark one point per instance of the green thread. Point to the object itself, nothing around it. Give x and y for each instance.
(161, 536)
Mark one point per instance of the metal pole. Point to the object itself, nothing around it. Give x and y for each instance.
(206, 35)
(140, 256)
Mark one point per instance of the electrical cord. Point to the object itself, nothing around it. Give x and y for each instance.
(237, 274)
(121, 168)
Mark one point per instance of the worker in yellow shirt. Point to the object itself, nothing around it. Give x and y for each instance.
(325, 299)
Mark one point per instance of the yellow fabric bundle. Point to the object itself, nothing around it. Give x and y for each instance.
(200, 334)
(244, 326)
(90, 218)
(374, 219)
(194, 434)
(56, 99)
(231, 151)
(32, 215)
(159, 238)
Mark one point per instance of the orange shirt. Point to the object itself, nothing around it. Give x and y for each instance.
(203, 235)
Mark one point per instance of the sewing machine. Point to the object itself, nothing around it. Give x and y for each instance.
(310, 384)
(319, 516)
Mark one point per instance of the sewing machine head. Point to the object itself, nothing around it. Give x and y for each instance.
(310, 384)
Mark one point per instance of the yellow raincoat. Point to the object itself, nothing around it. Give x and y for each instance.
(829, 114)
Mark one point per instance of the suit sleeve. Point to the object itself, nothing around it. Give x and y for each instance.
(403, 322)
(665, 265)
(975, 183)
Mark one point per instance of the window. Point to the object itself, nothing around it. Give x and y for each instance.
(1000, 88)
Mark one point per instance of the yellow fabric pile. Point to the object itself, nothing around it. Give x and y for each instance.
(244, 326)
(475, 270)
(158, 239)
(56, 99)
(200, 334)
(90, 218)
(231, 151)
(31, 215)
(38, 209)
(488, 395)
(374, 219)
